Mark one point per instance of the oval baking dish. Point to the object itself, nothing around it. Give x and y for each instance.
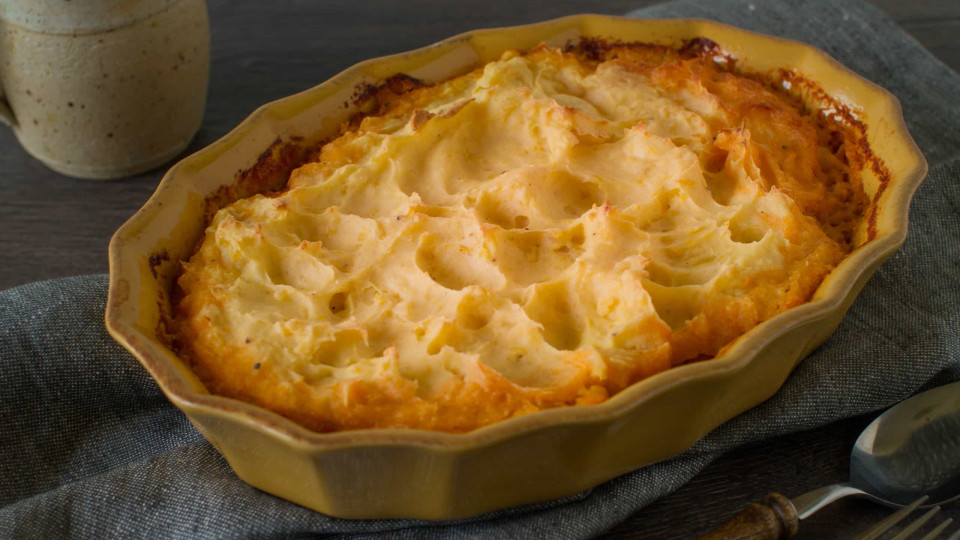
(394, 473)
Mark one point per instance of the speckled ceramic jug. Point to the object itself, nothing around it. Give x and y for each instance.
(103, 88)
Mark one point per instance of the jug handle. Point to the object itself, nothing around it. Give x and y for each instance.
(6, 114)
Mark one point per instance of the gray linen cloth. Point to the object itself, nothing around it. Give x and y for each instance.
(90, 448)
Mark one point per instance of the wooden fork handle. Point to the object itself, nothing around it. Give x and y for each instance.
(773, 519)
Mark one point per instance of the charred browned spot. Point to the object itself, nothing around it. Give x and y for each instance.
(591, 48)
(824, 100)
(362, 93)
(702, 47)
(353, 123)
(156, 260)
(600, 49)
(402, 83)
(420, 117)
(166, 325)
(884, 176)
(846, 129)
(376, 98)
(397, 84)
(267, 176)
(163, 332)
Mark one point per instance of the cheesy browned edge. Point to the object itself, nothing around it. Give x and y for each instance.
(540, 232)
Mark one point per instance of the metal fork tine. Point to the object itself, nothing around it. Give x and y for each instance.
(874, 532)
(909, 529)
(932, 535)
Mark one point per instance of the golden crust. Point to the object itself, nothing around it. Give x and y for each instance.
(541, 232)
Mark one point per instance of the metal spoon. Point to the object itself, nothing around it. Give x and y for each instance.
(911, 450)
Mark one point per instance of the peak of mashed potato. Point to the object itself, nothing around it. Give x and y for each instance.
(541, 232)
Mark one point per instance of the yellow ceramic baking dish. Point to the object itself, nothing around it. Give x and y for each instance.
(392, 473)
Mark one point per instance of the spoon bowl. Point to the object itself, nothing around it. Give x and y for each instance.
(910, 451)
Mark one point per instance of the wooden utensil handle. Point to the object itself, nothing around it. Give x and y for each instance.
(773, 519)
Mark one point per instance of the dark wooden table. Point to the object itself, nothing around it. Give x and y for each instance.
(56, 226)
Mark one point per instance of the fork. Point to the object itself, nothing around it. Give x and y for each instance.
(883, 526)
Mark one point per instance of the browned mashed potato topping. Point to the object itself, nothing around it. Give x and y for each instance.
(541, 232)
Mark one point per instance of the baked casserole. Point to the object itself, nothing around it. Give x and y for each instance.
(540, 232)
